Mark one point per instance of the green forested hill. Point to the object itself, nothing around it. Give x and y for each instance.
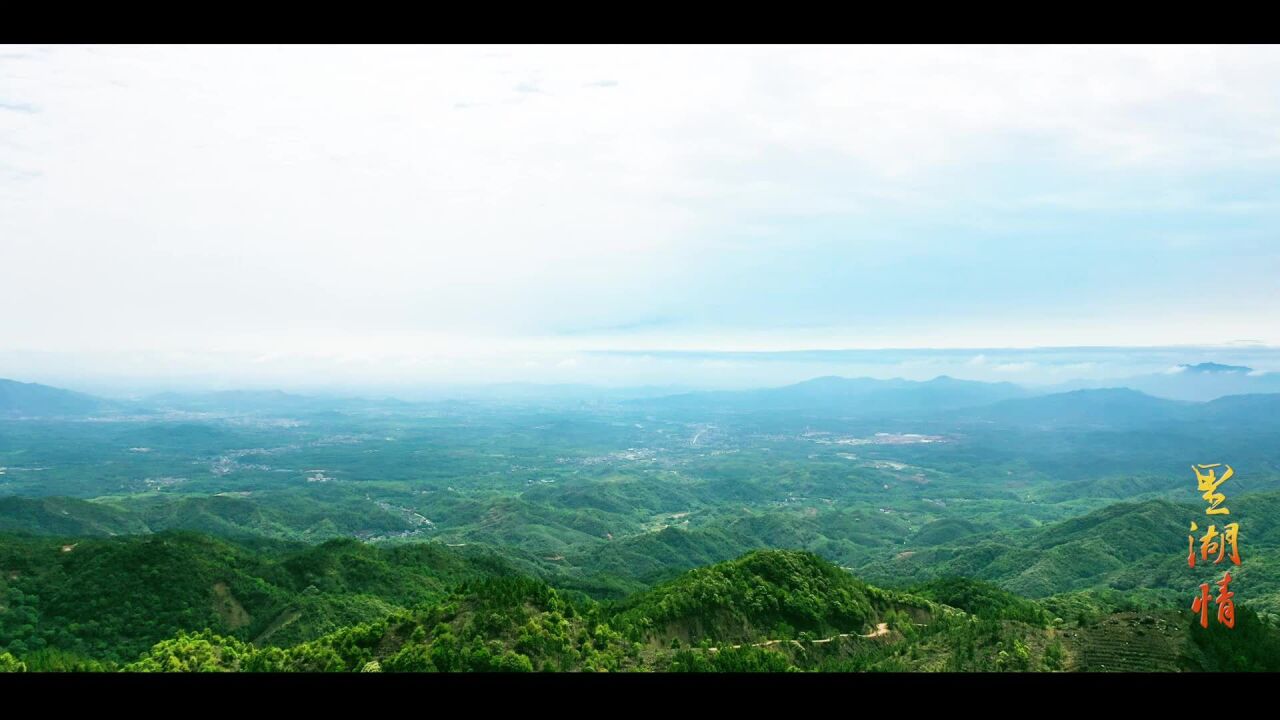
(34, 400)
(1047, 524)
(65, 516)
(312, 517)
(1137, 548)
(640, 560)
(425, 608)
(110, 599)
(1133, 548)
(762, 602)
(1094, 550)
(764, 593)
(1109, 407)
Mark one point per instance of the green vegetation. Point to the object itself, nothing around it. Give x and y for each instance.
(765, 593)
(983, 600)
(834, 525)
(111, 599)
(768, 611)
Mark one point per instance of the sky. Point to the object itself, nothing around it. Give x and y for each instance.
(311, 215)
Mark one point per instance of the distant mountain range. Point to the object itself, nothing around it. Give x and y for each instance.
(946, 398)
(19, 399)
(33, 400)
(1195, 392)
(1207, 368)
(847, 396)
(1100, 407)
(252, 402)
(1204, 381)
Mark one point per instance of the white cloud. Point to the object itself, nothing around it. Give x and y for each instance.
(413, 201)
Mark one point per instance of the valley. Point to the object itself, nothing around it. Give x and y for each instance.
(1075, 502)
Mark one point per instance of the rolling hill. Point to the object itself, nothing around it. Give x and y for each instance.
(767, 611)
(1135, 548)
(112, 598)
(1103, 408)
(1195, 382)
(19, 399)
(845, 396)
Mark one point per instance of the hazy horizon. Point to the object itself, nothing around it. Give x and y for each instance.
(677, 371)
(390, 216)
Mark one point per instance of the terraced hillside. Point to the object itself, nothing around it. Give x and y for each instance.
(1131, 642)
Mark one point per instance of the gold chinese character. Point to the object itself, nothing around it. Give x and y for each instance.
(1201, 605)
(1208, 482)
(1230, 536)
(1213, 543)
(1191, 547)
(1226, 606)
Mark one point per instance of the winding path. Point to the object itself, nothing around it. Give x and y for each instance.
(881, 630)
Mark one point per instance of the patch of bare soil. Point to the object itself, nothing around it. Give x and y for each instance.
(229, 610)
